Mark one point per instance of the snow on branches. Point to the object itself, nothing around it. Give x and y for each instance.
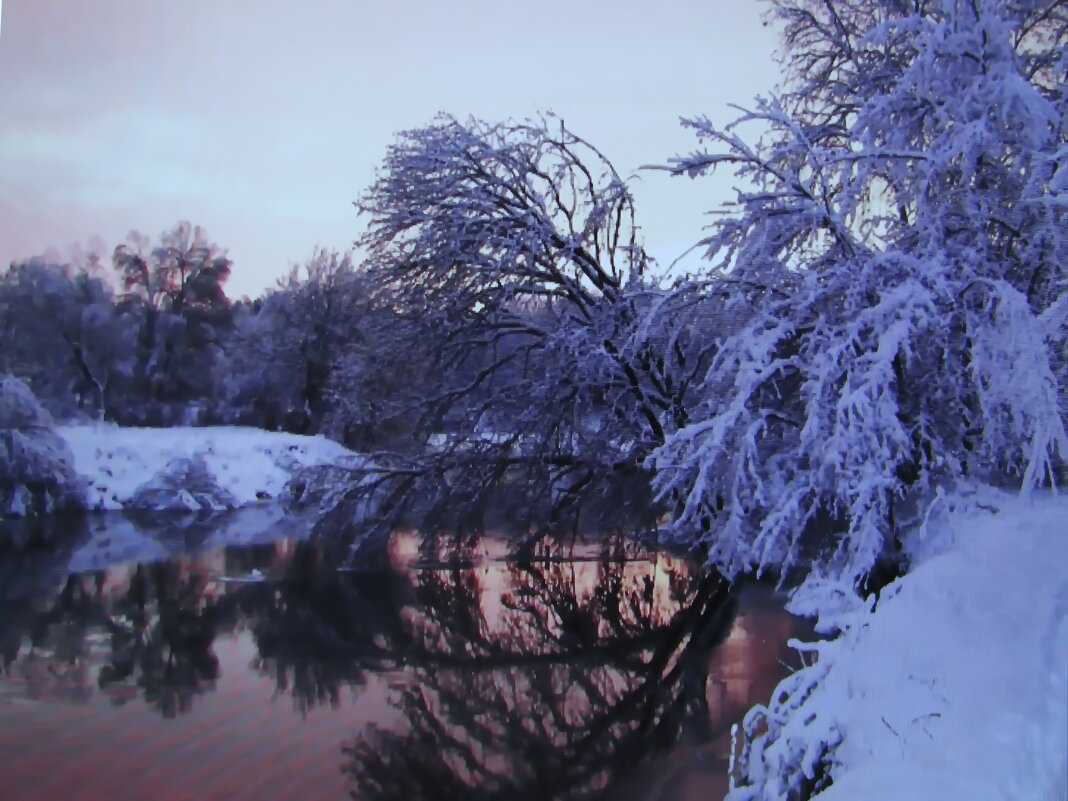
(487, 215)
(514, 248)
(908, 200)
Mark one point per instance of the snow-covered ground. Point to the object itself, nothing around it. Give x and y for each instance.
(232, 466)
(953, 684)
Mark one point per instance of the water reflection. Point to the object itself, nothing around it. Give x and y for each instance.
(162, 628)
(585, 670)
(318, 631)
(557, 675)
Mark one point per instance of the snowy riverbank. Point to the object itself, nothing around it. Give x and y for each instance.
(953, 684)
(215, 467)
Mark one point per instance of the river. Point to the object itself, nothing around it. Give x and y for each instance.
(242, 661)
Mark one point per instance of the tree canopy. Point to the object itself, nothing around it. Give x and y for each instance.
(909, 190)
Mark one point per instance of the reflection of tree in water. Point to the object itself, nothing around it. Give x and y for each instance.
(57, 662)
(318, 630)
(577, 676)
(537, 677)
(33, 558)
(155, 637)
(162, 631)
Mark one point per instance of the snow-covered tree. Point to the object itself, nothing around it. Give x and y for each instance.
(175, 292)
(36, 467)
(59, 331)
(288, 346)
(472, 217)
(899, 261)
(513, 249)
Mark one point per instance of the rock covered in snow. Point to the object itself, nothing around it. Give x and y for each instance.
(184, 484)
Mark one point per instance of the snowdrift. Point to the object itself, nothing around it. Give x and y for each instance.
(951, 684)
(192, 469)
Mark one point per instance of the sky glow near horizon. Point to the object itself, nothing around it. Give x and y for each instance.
(263, 121)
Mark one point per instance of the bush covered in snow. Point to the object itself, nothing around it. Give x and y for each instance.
(36, 476)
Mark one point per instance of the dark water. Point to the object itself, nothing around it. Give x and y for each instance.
(240, 663)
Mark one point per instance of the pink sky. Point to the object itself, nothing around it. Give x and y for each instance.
(262, 120)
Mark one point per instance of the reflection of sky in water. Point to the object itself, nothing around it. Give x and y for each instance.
(591, 628)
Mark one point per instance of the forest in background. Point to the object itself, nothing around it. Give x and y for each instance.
(152, 339)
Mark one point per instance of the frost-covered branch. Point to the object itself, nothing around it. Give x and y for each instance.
(911, 348)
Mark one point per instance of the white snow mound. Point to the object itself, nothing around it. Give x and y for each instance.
(955, 685)
(246, 464)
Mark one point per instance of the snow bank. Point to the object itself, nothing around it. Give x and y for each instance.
(230, 466)
(954, 684)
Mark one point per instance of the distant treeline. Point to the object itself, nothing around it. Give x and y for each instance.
(153, 340)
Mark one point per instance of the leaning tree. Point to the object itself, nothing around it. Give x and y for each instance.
(512, 253)
(903, 245)
(909, 204)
